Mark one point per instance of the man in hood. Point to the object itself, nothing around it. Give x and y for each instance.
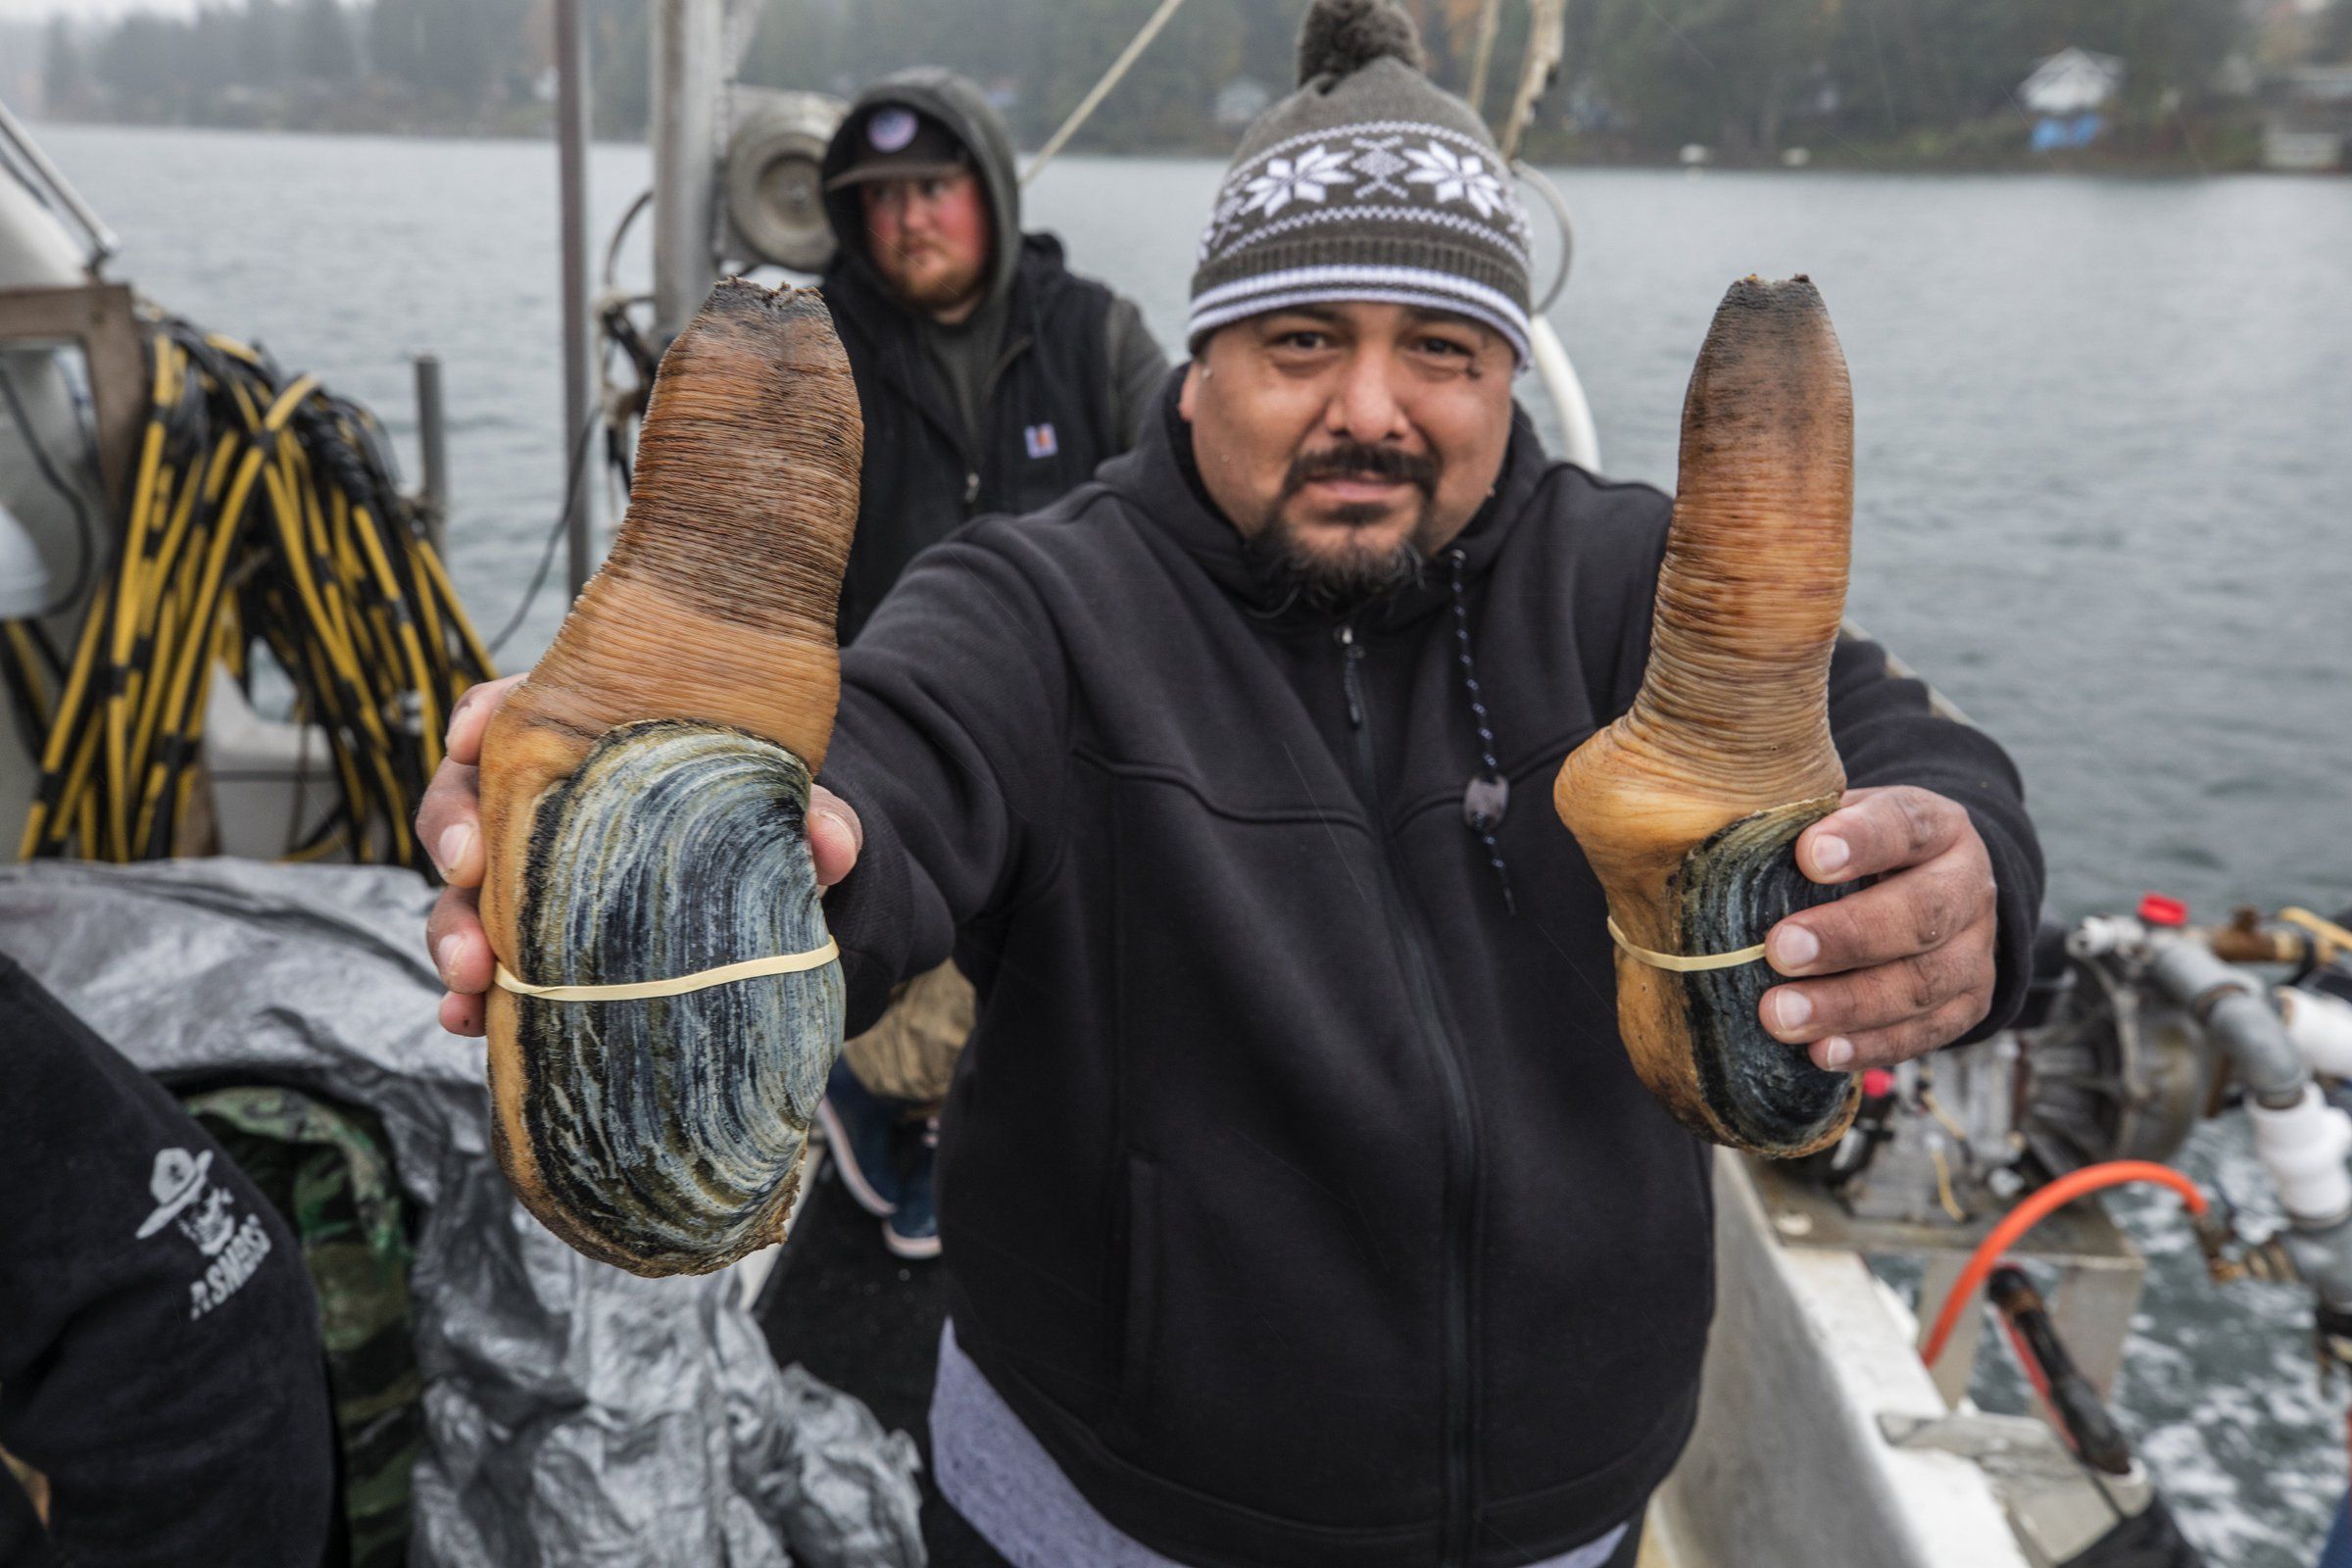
(992, 380)
(1303, 1206)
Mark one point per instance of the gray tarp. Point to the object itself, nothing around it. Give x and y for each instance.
(575, 1414)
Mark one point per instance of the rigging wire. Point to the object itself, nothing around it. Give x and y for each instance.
(1099, 92)
(620, 232)
(555, 535)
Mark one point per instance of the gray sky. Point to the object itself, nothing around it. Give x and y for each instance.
(41, 9)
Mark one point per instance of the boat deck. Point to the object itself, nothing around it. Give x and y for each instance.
(868, 1323)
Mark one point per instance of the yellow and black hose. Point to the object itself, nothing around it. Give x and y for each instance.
(262, 511)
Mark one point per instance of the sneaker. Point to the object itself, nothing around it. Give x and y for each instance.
(912, 1233)
(858, 1124)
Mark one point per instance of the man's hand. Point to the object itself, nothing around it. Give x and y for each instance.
(449, 825)
(1908, 963)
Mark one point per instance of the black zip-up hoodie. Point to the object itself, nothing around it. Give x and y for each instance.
(1297, 1192)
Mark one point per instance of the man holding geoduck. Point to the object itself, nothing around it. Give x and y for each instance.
(1327, 1179)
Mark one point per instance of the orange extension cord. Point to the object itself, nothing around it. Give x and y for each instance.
(2032, 1212)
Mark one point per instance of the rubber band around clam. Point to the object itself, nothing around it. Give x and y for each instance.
(1679, 964)
(681, 985)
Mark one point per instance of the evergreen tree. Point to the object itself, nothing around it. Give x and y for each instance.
(1730, 74)
(469, 46)
(396, 41)
(214, 51)
(619, 59)
(65, 79)
(138, 61)
(2333, 45)
(322, 48)
(263, 52)
(1644, 76)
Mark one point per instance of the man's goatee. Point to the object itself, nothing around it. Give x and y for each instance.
(1337, 586)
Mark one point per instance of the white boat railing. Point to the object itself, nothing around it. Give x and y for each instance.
(1790, 1461)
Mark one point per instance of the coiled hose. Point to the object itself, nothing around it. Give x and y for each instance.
(262, 510)
(2032, 1212)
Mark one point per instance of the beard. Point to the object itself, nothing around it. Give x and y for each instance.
(1340, 582)
(928, 277)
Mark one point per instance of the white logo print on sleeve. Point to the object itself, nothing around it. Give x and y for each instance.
(206, 1216)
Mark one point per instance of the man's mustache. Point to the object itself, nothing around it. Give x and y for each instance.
(1353, 459)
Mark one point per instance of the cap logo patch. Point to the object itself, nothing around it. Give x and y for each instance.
(890, 128)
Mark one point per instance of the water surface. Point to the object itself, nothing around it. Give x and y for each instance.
(2103, 460)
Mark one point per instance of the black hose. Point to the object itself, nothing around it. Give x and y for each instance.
(555, 536)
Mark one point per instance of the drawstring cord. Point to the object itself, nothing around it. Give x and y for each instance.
(1488, 794)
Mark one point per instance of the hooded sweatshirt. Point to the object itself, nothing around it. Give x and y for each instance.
(1296, 1192)
(160, 1353)
(1006, 411)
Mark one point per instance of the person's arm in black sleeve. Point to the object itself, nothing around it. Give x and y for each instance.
(160, 1353)
(950, 748)
(1137, 370)
(1886, 733)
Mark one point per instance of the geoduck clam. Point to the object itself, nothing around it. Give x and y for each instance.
(1688, 808)
(644, 798)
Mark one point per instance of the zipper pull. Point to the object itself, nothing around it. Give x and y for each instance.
(971, 487)
(1352, 650)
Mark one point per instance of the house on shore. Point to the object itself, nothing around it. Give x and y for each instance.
(2067, 95)
(2308, 124)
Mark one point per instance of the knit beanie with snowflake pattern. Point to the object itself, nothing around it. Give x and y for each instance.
(1370, 182)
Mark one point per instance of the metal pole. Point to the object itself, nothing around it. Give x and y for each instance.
(571, 135)
(1546, 39)
(103, 243)
(1489, 21)
(690, 71)
(432, 449)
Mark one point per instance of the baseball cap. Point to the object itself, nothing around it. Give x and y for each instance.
(896, 142)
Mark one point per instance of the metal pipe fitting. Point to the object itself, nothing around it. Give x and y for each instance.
(2235, 1011)
(2299, 1137)
(2103, 933)
(2323, 1256)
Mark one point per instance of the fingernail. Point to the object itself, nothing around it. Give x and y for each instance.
(838, 821)
(1831, 852)
(454, 844)
(1837, 1052)
(1794, 1008)
(445, 956)
(455, 714)
(1793, 947)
